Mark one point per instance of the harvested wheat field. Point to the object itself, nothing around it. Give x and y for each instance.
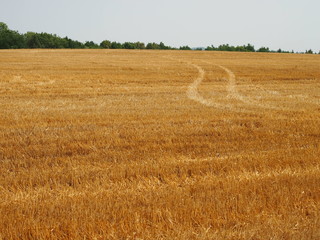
(119, 144)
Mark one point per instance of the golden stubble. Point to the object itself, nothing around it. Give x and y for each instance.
(117, 144)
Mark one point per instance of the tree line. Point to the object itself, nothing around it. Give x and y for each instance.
(10, 39)
(249, 48)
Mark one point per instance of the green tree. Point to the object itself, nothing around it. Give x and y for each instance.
(128, 45)
(225, 47)
(153, 46)
(263, 49)
(211, 48)
(33, 40)
(73, 44)
(250, 48)
(105, 44)
(91, 44)
(163, 46)
(3, 27)
(10, 39)
(239, 48)
(139, 45)
(185, 48)
(116, 45)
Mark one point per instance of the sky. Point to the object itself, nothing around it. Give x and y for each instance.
(286, 24)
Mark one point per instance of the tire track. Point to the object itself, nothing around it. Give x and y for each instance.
(234, 93)
(231, 88)
(251, 104)
(193, 93)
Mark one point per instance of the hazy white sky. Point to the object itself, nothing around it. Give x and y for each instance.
(286, 24)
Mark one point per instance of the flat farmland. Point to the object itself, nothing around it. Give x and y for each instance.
(118, 144)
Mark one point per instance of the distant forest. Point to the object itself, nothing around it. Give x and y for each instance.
(11, 39)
